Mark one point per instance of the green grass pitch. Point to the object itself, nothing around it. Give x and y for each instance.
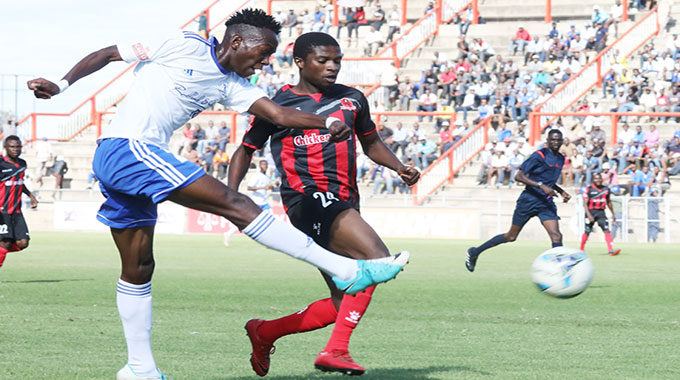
(58, 318)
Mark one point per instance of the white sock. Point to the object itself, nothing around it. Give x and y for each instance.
(272, 233)
(134, 307)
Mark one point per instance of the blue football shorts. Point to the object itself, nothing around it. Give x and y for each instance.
(528, 206)
(134, 177)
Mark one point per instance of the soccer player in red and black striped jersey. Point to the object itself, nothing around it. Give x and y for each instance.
(319, 192)
(13, 230)
(595, 199)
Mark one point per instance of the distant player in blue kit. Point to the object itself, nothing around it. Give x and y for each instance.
(539, 173)
(176, 79)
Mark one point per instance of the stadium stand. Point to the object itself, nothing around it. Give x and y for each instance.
(485, 72)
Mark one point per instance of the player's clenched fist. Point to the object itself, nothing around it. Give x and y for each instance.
(339, 131)
(42, 88)
(409, 174)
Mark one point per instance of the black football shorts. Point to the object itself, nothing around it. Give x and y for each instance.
(314, 212)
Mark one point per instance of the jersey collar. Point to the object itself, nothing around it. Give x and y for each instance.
(316, 97)
(213, 44)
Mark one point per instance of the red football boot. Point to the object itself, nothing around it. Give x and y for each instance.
(338, 361)
(259, 358)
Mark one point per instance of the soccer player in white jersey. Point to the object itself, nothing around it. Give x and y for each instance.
(176, 79)
(258, 186)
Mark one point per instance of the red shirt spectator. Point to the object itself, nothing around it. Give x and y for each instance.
(188, 131)
(464, 64)
(522, 34)
(448, 76)
(360, 16)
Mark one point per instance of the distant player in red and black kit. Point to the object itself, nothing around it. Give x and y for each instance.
(13, 229)
(595, 199)
(320, 194)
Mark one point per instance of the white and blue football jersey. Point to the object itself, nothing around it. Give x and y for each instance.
(175, 79)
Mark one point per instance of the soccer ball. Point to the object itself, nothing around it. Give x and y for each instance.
(562, 272)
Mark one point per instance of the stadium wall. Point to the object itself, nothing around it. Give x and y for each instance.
(441, 219)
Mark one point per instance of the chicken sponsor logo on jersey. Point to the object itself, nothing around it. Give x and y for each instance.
(311, 139)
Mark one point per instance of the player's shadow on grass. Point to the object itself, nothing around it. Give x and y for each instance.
(378, 374)
(47, 281)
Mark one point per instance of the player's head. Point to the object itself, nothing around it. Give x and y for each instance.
(250, 39)
(597, 179)
(263, 166)
(555, 139)
(318, 56)
(13, 146)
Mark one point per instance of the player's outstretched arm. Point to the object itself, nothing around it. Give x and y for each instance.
(292, 118)
(238, 167)
(45, 89)
(377, 151)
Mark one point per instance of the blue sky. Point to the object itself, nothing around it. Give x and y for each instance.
(47, 37)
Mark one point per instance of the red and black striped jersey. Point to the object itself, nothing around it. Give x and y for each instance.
(596, 198)
(305, 158)
(11, 185)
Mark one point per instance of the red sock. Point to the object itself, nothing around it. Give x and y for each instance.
(13, 248)
(351, 311)
(315, 316)
(608, 239)
(584, 238)
(3, 254)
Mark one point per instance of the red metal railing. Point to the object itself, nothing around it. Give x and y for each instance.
(444, 168)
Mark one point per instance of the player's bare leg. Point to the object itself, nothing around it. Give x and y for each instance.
(474, 252)
(553, 228)
(134, 301)
(19, 245)
(9, 245)
(350, 236)
(210, 195)
(353, 237)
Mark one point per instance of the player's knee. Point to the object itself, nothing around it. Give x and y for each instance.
(140, 273)
(509, 237)
(22, 244)
(555, 236)
(236, 200)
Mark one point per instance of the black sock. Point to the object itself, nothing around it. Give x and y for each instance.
(494, 241)
(558, 244)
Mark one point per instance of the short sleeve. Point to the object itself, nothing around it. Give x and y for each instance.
(8, 170)
(531, 163)
(240, 94)
(258, 133)
(140, 50)
(363, 124)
